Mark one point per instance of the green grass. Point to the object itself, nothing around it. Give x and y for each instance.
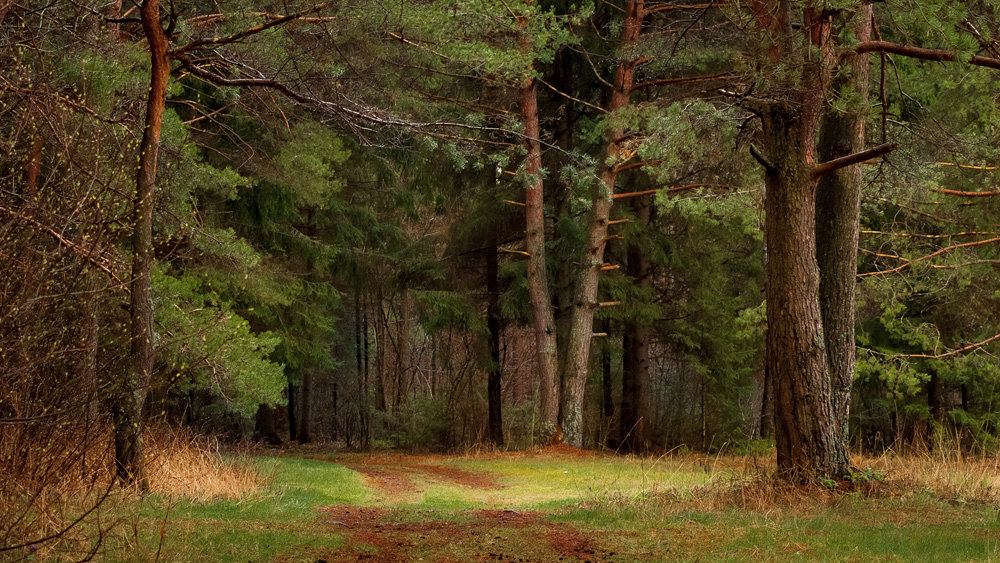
(618, 504)
(856, 529)
(281, 521)
(546, 483)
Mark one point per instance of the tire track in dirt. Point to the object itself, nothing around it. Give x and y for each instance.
(392, 476)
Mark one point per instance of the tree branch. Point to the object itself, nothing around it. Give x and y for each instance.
(921, 53)
(247, 32)
(838, 163)
(931, 255)
(76, 248)
(954, 352)
(960, 193)
(681, 80)
(760, 158)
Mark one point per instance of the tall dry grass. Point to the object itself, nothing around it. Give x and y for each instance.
(948, 472)
(182, 465)
(945, 472)
(58, 501)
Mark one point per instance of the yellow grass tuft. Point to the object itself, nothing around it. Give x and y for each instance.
(948, 472)
(182, 465)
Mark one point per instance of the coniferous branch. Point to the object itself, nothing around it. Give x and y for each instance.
(940, 55)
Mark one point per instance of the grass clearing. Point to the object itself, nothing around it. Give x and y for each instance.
(545, 506)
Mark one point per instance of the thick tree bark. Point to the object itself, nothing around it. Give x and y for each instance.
(495, 370)
(810, 440)
(360, 362)
(838, 219)
(581, 323)
(128, 414)
(809, 444)
(543, 318)
(381, 340)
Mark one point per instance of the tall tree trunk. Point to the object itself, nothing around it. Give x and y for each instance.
(635, 368)
(543, 317)
(381, 400)
(809, 444)
(838, 219)
(493, 325)
(128, 414)
(581, 323)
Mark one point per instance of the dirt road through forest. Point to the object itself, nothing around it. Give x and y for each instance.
(391, 531)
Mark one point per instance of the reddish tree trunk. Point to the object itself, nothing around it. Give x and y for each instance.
(581, 323)
(128, 415)
(543, 318)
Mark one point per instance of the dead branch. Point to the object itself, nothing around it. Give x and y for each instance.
(931, 255)
(838, 163)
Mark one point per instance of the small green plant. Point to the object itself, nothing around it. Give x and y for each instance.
(867, 475)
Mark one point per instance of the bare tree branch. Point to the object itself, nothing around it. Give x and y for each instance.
(921, 53)
(838, 163)
(247, 32)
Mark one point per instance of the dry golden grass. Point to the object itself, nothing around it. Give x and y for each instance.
(70, 497)
(948, 472)
(749, 483)
(181, 465)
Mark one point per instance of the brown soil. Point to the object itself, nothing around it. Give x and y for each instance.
(487, 537)
(375, 534)
(385, 482)
(391, 474)
(562, 448)
(459, 476)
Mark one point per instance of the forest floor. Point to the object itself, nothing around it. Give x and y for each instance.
(556, 504)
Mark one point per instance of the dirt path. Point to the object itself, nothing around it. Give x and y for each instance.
(394, 477)
(381, 533)
(488, 535)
